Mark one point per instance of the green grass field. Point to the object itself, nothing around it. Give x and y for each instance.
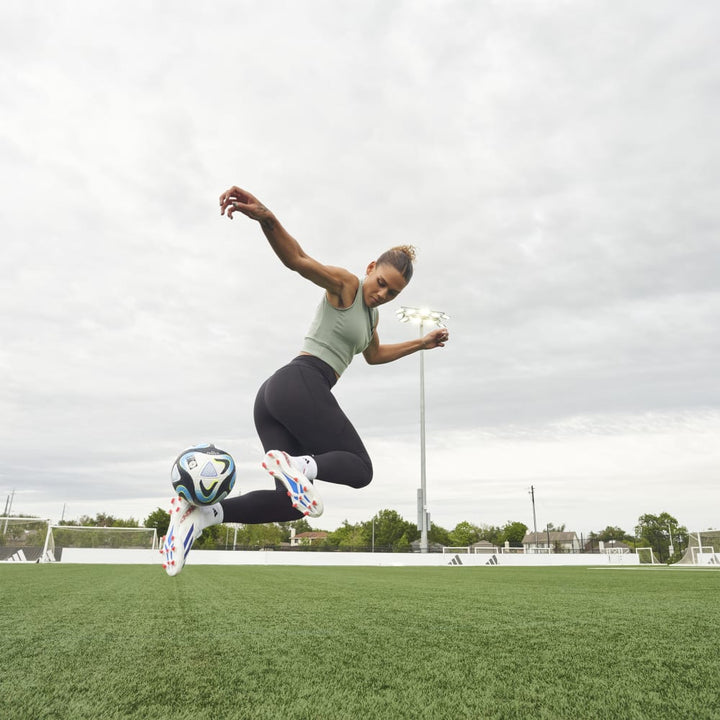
(104, 642)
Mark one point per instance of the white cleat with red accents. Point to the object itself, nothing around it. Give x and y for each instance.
(302, 493)
(186, 525)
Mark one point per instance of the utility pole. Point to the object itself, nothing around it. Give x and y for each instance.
(8, 508)
(532, 495)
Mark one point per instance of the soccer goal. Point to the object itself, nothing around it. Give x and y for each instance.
(455, 550)
(22, 539)
(703, 548)
(650, 557)
(704, 555)
(89, 536)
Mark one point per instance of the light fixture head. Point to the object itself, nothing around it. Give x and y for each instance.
(418, 315)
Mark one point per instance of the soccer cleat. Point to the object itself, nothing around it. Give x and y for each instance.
(185, 527)
(302, 493)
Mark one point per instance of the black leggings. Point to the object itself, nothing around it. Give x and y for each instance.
(295, 411)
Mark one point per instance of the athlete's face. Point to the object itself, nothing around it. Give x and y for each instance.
(382, 284)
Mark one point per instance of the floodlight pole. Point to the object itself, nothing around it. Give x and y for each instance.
(532, 495)
(423, 480)
(421, 316)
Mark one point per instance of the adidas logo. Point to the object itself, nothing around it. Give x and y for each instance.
(492, 560)
(456, 561)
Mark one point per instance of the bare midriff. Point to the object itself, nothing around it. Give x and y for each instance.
(302, 352)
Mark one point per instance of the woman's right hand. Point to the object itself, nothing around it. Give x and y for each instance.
(237, 200)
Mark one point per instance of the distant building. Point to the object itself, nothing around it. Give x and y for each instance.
(551, 541)
(306, 538)
(483, 546)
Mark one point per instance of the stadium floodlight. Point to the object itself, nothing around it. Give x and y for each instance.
(421, 316)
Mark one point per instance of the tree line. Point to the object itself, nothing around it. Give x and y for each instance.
(387, 531)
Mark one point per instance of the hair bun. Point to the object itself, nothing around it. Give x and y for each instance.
(409, 250)
(401, 257)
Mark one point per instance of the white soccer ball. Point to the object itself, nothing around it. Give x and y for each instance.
(203, 475)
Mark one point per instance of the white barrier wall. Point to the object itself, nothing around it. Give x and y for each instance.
(269, 557)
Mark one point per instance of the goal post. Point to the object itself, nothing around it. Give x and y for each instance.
(455, 550)
(90, 536)
(651, 557)
(703, 548)
(704, 555)
(22, 538)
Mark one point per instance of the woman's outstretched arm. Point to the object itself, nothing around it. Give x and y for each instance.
(338, 282)
(376, 354)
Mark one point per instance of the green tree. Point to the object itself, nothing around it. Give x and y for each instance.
(513, 532)
(611, 532)
(464, 533)
(348, 536)
(655, 530)
(261, 535)
(437, 534)
(158, 519)
(491, 533)
(390, 528)
(403, 544)
(101, 520)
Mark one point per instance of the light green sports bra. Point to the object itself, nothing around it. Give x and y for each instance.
(337, 335)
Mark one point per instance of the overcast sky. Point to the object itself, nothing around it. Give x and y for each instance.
(556, 163)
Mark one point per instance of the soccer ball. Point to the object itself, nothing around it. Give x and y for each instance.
(203, 475)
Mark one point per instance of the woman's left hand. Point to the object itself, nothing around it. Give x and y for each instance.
(436, 338)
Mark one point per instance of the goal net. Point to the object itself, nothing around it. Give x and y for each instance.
(22, 539)
(89, 536)
(455, 550)
(645, 555)
(703, 549)
(486, 549)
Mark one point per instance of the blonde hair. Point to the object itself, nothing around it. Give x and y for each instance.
(401, 257)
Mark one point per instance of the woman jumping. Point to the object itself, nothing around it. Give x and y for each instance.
(304, 432)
